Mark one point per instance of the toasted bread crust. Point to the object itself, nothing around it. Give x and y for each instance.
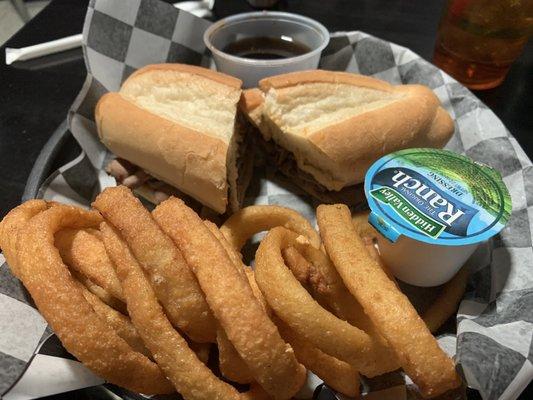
(408, 122)
(251, 104)
(250, 100)
(315, 76)
(193, 162)
(191, 69)
(342, 152)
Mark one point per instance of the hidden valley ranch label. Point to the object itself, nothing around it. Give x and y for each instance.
(436, 196)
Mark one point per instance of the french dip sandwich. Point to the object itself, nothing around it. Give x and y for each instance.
(323, 129)
(181, 129)
(178, 124)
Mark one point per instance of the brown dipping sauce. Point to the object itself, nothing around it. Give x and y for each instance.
(266, 48)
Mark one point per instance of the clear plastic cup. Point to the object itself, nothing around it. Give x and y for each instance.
(265, 24)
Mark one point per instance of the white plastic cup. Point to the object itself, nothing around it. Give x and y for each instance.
(423, 264)
(432, 209)
(260, 24)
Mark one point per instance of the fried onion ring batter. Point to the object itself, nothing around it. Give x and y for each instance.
(174, 284)
(242, 225)
(270, 360)
(389, 309)
(192, 378)
(61, 301)
(337, 374)
(231, 365)
(82, 250)
(327, 286)
(118, 321)
(12, 223)
(296, 307)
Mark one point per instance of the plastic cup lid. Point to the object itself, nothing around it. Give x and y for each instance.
(437, 197)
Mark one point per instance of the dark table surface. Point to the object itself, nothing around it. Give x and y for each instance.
(35, 95)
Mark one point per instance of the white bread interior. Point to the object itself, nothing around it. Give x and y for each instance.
(305, 109)
(336, 124)
(187, 99)
(177, 122)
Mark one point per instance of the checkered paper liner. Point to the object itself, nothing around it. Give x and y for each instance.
(493, 341)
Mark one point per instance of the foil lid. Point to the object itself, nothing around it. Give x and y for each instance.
(437, 197)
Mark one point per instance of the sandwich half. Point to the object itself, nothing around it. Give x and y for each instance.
(323, 129)
(178, 124)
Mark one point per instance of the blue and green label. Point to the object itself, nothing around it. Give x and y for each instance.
(436, 196)
(410, 213)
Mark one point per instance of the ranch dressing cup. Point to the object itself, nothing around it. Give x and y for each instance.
(433, 208)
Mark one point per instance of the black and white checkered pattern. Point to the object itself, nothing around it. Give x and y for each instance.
(142, 32)
(493, 344)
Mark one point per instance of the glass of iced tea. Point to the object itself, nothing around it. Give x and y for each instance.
(478, 40)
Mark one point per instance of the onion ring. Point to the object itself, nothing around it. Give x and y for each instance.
(326, 284)
(391, 312)
(256, 392)
(299, 266)
(174, 283)
(118, 321)
(329, 289)
(232, 253)
(104, 296)
(309, 277)
(231, 364)
(446, 303)
(12, 223)
(192, 379)
(296, 307)
(373, 252)
(202, 350)
(362, 226)
(337, 374)
(270, 360)
(369, 235)
(245, 223)
(237, 262)
(83, 251)
(60, 300)
(250, 275)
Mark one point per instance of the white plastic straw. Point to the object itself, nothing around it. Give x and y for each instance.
(199, 8)
(42, 49)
